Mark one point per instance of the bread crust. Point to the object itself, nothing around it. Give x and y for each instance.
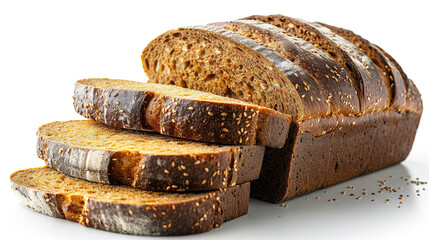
(326, 75)
(156, 172)
(390, 73)
(184, 217)
(201, 120)
(373, 93)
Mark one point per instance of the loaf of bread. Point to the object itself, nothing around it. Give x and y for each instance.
(128, 210)
(95, 152)
(353, 109)
(179, 112)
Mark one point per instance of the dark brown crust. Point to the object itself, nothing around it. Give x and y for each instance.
(389, 72)
(185, 217)
(201, 120)
(155, 172)
(326, 74)
(325, 153)
(413, 99)
(373, 94)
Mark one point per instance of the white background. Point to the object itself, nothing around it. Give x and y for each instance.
(45, 46)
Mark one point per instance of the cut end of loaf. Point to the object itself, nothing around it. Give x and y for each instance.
(190, 57)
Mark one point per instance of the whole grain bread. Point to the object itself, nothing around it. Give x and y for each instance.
(179, 112)
(127, 210)
(328, 143)
(99, 153)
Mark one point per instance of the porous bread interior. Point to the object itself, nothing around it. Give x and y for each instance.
(206, 61)
(50, 181)
(161, 89)
(92, 135)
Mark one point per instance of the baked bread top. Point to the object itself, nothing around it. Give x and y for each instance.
(307, 70)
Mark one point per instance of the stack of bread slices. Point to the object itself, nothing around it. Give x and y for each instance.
(290, 105)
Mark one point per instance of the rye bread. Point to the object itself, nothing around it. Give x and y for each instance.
(179, 112)
(127, 210)
(99, 153)
(337, 142)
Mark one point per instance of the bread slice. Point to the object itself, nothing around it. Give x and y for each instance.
(99, 153)
(179, 112)
(127, 210)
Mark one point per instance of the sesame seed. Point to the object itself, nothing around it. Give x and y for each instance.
(106, 104)
(185, 174)
(210, 113)
(166, 171)
(121, 111)
(197, 162)
(224, 114)
(206, 169)
(117, 103)
(186, 182)
(203, 182)
(174, 186)
(191, 108)
(130, 211)
(224, 129)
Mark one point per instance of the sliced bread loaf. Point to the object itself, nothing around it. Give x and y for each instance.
(103, 154)
(328, 143)
(127, 210)
(179, 112)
